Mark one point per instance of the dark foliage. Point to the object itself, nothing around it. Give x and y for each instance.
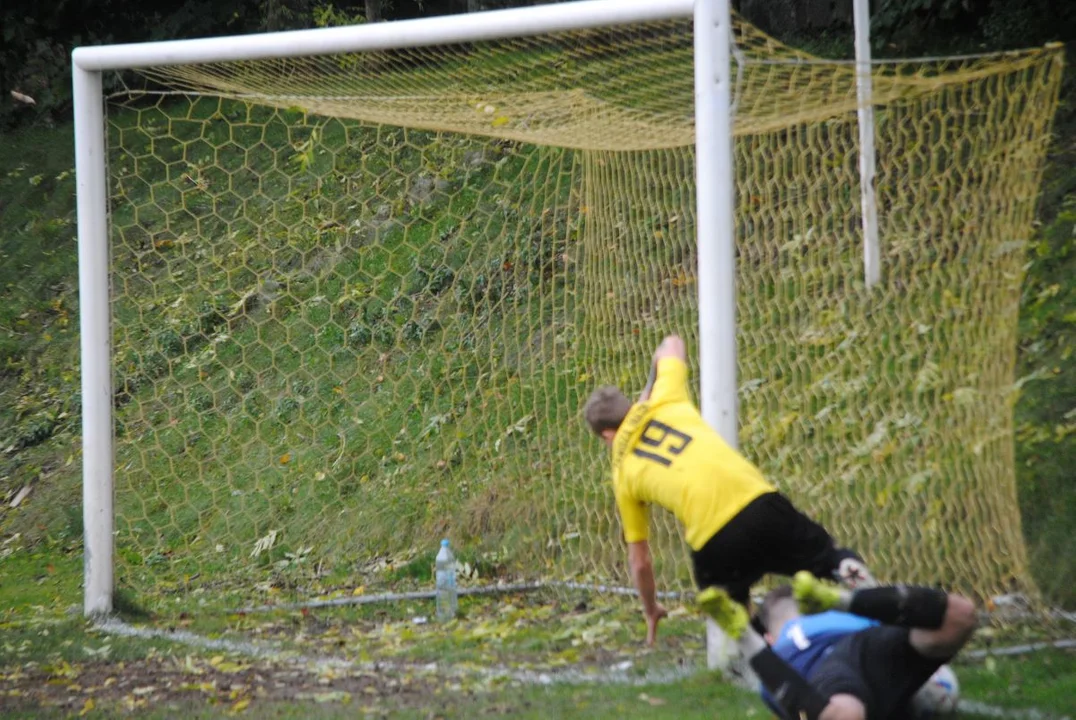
(39, 36)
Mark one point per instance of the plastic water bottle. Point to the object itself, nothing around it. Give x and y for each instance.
(445, 570)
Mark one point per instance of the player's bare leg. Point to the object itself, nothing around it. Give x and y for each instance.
(844, 707)
(956, 629)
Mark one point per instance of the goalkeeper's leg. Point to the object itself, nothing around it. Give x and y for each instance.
(795, 695)
(941, 623)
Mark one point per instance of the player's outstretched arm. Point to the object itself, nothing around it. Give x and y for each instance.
(642, 574)
(671, 346)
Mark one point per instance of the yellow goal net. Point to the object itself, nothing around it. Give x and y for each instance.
(358, 301)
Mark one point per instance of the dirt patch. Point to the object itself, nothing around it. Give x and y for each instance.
(226, 683)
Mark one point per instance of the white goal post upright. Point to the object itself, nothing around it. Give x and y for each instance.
(95, 328)
(715, 229)
(872, 259)
(714, 168)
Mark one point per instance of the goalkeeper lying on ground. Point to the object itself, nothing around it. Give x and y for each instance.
(840, 665)
(737, 524)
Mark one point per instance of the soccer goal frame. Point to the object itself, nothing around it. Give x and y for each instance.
(714, 177)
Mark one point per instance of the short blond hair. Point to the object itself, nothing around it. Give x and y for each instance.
(768, 610)
(606, 409)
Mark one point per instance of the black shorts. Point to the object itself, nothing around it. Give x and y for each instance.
(879, 666)
(767, 536)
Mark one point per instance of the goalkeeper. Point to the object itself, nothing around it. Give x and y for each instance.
(840, 664)
(737, 524)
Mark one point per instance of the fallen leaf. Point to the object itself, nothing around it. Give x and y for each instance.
(335, 696)
(231, 667)
(20, 497)
(24, 99)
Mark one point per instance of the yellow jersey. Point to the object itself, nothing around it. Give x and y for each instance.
(665, 453)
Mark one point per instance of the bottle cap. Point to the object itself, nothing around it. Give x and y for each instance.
(444, 543)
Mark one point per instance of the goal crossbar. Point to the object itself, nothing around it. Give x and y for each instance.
(492, 25)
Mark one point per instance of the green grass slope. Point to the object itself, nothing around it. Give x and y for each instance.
(39, 354)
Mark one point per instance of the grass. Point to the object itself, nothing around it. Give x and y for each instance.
(71, 641)
(44, 579)
(702, 696)
(1044, 679)
(695, 699)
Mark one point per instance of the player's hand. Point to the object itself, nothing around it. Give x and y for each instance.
(652, 619)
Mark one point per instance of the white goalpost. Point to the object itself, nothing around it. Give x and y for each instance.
(872, 258)
(95, 327)
(714, 170)
(715, 188)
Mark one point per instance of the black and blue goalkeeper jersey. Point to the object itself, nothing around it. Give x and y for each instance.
(803, 642)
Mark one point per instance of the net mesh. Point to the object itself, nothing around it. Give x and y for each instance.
(360, 299)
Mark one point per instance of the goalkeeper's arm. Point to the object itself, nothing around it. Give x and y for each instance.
(671, 346)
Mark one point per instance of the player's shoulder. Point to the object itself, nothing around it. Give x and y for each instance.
(678, 414)
(629, 431)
